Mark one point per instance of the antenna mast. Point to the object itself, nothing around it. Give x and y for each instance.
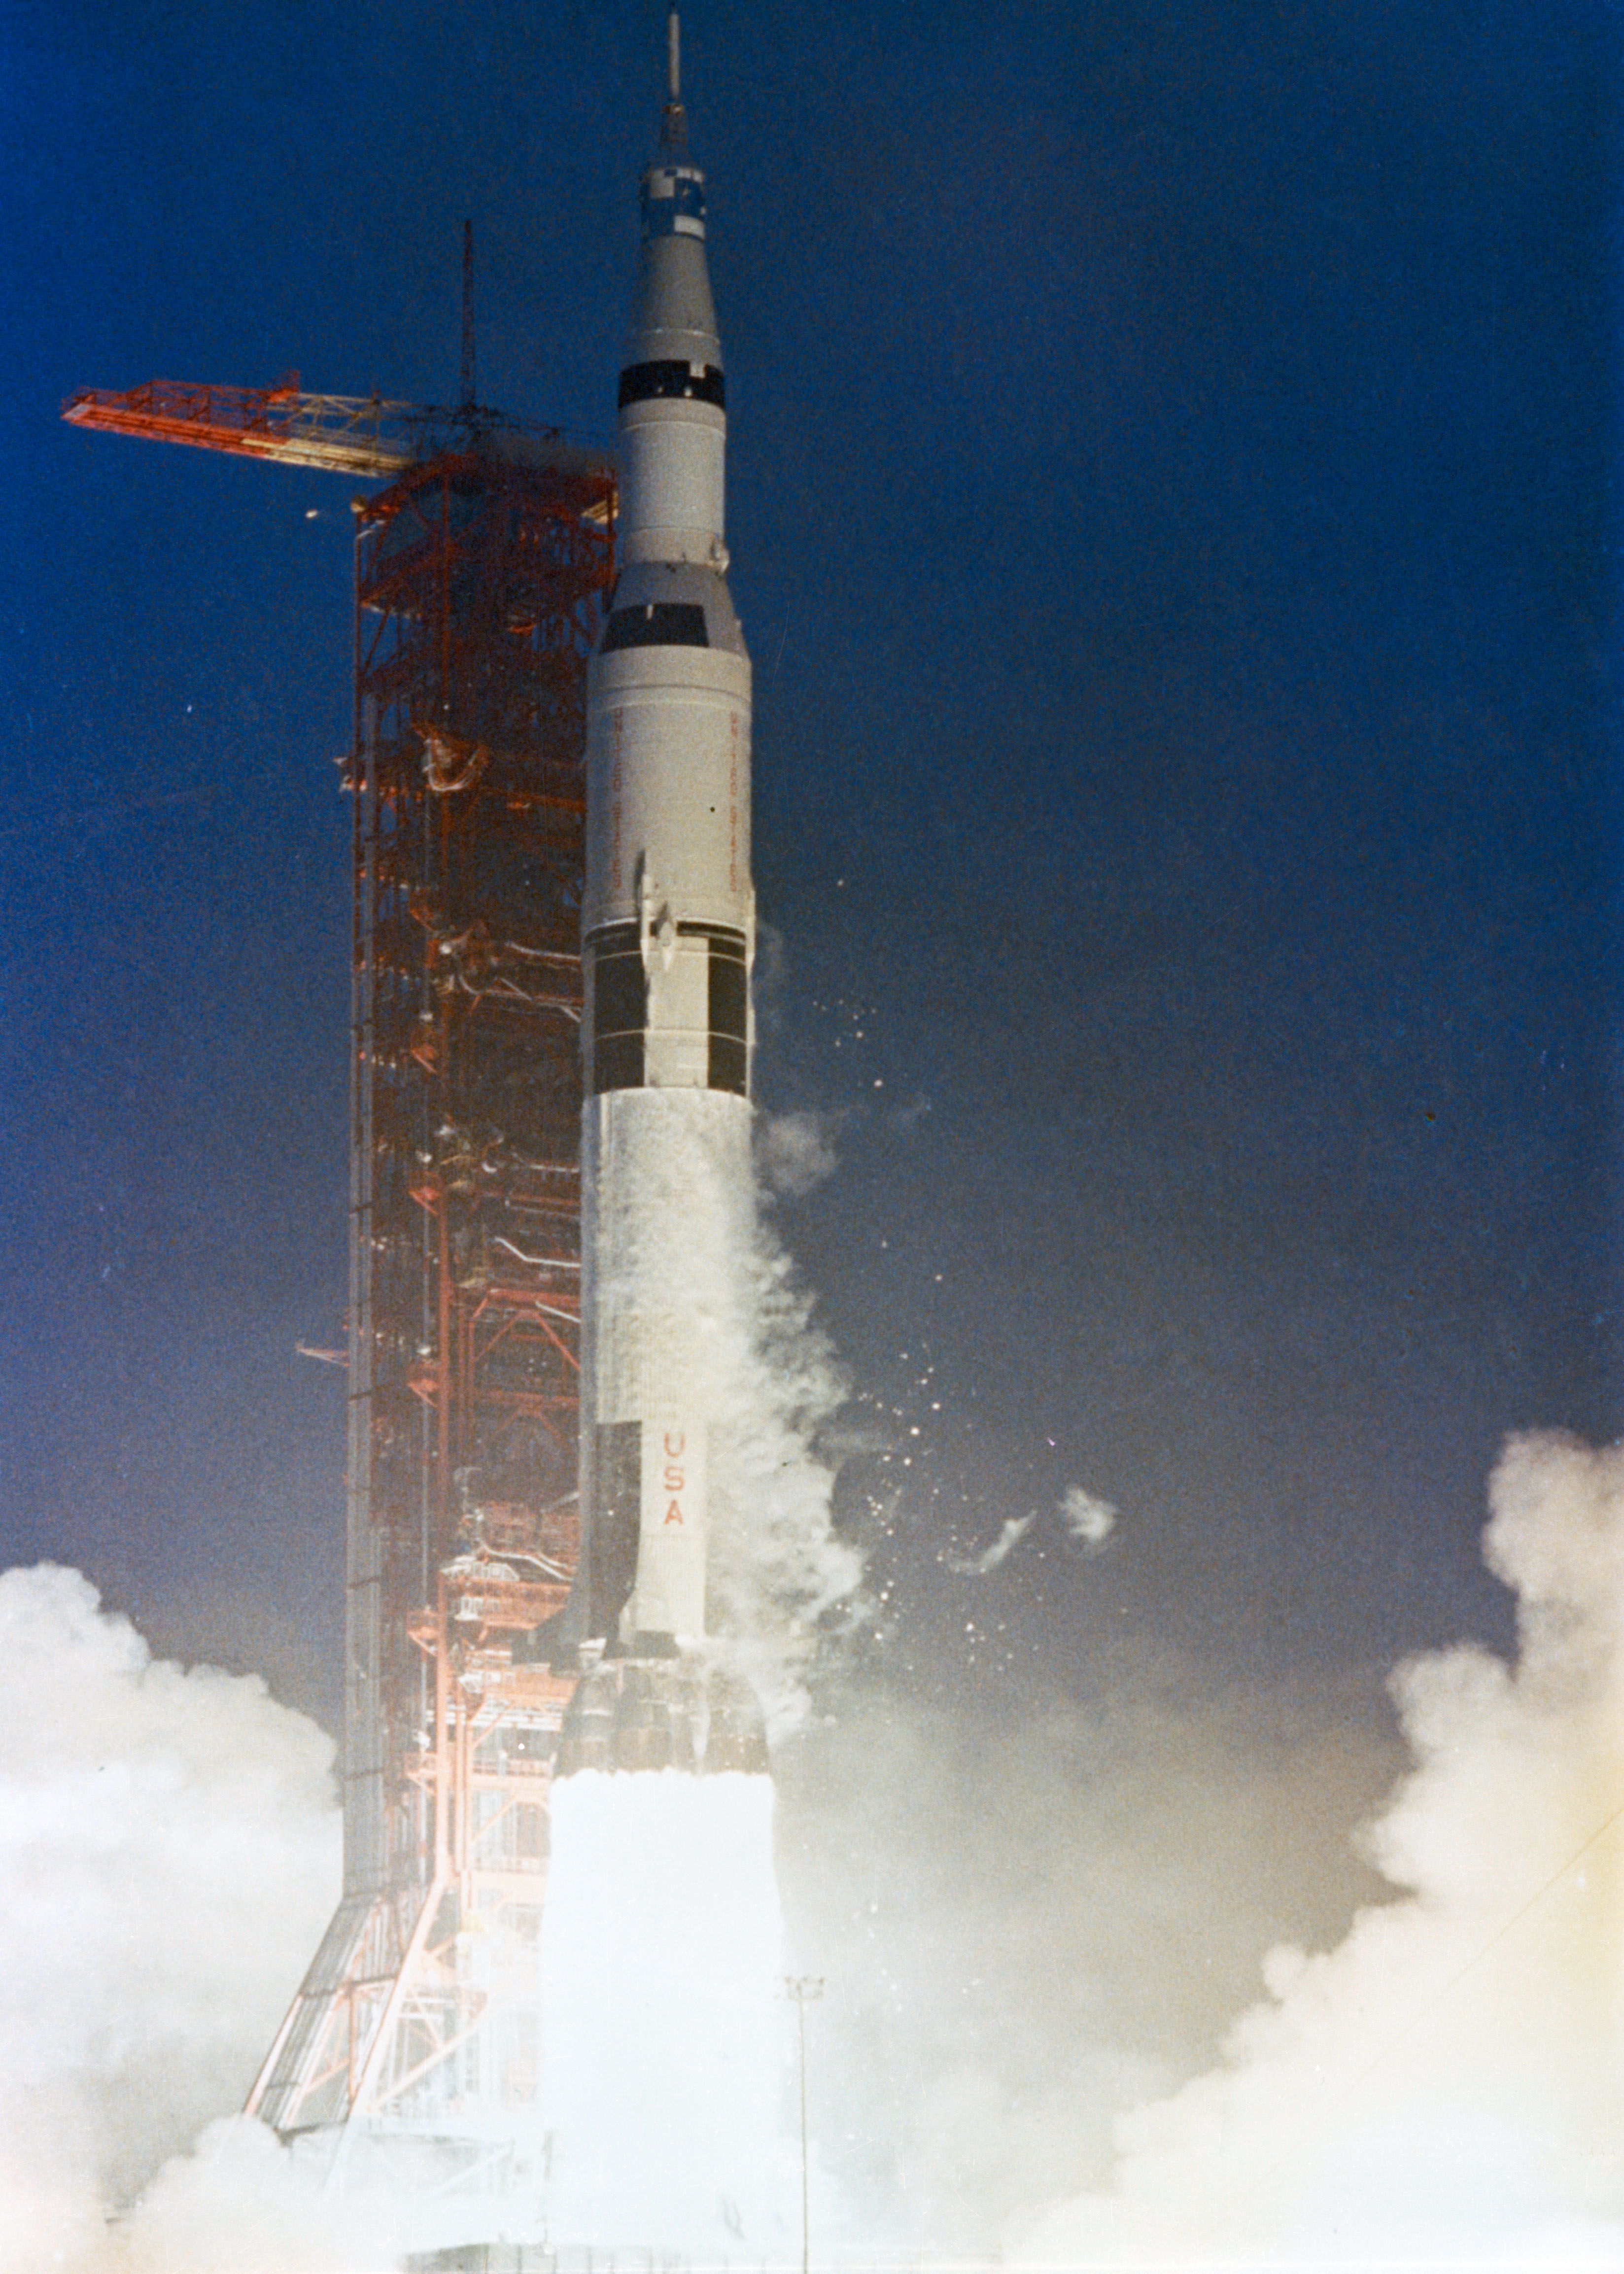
(673, 123)
(468, 390)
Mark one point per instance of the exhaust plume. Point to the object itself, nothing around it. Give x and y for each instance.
(1027, 1929)
(1448, 2080)
(662, 2014)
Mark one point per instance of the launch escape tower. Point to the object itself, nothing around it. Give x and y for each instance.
(481, 572)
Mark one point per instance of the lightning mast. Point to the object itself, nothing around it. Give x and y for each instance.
(409, 2056)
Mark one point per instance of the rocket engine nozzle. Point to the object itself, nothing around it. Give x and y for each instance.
(631, 1714)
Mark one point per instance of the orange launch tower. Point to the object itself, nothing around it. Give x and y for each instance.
(409, 2056)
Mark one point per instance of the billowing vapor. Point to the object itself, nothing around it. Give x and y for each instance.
(1088, 1521)
(664, 2014)
(168, 1854)
(241, 2203)
(1035, 1931)
(1030, 1918)
(1015, 1530)
(796, 1152)
(1448, 2082)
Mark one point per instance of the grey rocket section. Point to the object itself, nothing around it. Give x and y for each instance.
(668, 937)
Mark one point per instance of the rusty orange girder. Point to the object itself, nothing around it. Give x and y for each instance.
(479, 583)
(482, 571)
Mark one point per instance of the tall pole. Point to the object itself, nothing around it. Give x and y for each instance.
(468, 387)
(801, 1988)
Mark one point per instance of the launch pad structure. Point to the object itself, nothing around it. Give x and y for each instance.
(410, 2055)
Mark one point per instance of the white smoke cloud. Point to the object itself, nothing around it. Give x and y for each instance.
(783, 1572)
(1449, 2081)
(664, 2015)
(796, 1152)
(1030, 1922)
(1087, 1520)
(1025, 1927)
(240, 2203)
(1014, 1530)
(169, 1855)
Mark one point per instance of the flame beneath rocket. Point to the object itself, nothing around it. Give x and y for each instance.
(664, 2023)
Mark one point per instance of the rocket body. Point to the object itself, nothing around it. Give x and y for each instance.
(667, 942)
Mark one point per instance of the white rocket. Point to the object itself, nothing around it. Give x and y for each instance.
(667, 940)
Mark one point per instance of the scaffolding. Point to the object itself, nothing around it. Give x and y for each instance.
(341, 433)
(481, 573)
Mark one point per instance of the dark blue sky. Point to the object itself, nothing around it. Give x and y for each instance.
(1172, 448)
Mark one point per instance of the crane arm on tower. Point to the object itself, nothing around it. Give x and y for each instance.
(348, 435)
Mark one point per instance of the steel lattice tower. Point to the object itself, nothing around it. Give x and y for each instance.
(409, 2055)
(478, 587)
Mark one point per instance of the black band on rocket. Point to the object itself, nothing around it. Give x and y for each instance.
(618, 1041)
(620, 1009)
(655, 623)
(727, 1066)
(668, 382)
